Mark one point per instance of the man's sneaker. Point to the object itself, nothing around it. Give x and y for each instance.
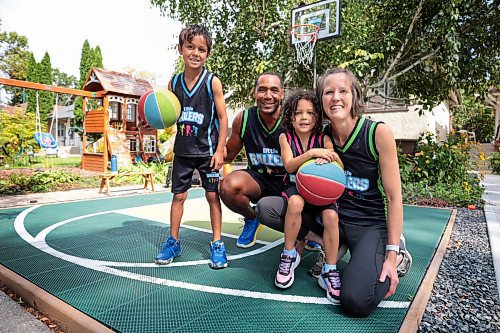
(315, 269)
(218, 257)
(284, 276)
(330, 281)
(249, 234)
(312, 246)
(171, 249)
(405, 264)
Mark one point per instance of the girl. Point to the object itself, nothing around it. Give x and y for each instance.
(301, 141)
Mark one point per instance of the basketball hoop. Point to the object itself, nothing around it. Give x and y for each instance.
(304, 37)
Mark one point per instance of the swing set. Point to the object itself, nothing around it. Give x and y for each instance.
(4, 152)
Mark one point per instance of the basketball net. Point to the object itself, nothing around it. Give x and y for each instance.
(305, 36)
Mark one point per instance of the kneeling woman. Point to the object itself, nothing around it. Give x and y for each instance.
(371, 208)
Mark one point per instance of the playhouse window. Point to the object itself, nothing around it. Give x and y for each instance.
(115, 111)
(60, 129)
(149, 143)
(131, 113)
(133, 145)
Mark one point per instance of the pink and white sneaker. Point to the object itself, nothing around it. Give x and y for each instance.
(284, 276)
(330, 281)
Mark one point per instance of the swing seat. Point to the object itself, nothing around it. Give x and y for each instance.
(45, 140)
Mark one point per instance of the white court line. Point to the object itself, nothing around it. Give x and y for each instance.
(39, 243)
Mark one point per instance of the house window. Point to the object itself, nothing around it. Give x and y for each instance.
(60, 130)
(115, 111)
(131, 113)
(149, 143)
(133, 145)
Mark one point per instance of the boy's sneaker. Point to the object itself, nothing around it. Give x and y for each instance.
(284, 276)
(330, 281)
(171, 249)
(312, 246)
(249, 234)
(218, 257)
(405, 263)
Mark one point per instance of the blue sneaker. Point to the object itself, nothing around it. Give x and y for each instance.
(218, 257)
(249, 234)
(171, 249)
(312, 246)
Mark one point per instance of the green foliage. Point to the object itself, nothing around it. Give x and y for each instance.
(160, 168)
(40, 73)
(61, 79)
(474, 117)
(11, 131)
(14, 58)
(440, 174)
(20, 183)
(427, 48)
(495, 162)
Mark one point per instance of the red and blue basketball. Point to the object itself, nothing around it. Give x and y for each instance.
(160, 109)
(320, 184)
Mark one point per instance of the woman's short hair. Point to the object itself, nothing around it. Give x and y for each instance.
(358, 104)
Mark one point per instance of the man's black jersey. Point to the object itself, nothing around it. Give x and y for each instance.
(315, 141)
(262, 146)
(197, 126)
(364, 197)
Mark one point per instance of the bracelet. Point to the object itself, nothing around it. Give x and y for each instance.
(394, 248)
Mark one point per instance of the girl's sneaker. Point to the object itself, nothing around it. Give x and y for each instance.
(285, 275)
(330, 281)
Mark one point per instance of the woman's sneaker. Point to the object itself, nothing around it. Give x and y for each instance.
(285, 275)
(170, 250)
(330, 281)
(218, 257)
(405, 263)
(317, 267)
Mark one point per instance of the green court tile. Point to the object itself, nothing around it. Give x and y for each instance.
(36, 264)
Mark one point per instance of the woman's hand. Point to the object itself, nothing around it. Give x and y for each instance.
(389, 271)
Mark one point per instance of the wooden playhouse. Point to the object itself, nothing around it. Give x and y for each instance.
(111, 121)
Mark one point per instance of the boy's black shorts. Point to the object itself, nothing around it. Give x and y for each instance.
(183, 169)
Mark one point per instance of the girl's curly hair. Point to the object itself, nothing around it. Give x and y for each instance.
(290, 107)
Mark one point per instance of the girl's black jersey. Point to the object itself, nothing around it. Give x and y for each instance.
(315, 141)
(262, 146)
(364, 197)
(197, 126)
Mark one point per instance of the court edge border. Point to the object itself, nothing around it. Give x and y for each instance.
(65, 315)
(416, 311)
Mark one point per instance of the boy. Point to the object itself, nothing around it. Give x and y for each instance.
(199, 143)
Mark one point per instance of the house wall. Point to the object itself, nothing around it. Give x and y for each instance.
(408, 124)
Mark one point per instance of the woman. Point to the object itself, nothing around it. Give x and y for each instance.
(371, 208)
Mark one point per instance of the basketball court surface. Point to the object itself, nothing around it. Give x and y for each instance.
(97, 256)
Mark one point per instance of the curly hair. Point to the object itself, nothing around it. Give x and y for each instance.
(358, 105)
(189, 32)
(290, 107)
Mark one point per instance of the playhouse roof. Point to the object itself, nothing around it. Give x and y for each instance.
(115, 82)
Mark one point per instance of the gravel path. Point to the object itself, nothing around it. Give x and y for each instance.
(465, 296)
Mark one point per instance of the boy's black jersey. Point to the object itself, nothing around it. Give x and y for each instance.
(197, 126)
(315, 141)
(262, 145)
(364, 197)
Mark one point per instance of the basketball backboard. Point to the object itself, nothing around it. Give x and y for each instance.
(325, 14)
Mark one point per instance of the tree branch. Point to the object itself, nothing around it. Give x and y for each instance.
(407, 38)
(406, 69)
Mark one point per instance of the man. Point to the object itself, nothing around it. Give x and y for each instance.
(257, 129)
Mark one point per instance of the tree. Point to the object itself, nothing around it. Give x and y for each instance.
(62, 79)
(89, 58)
(14, 58)
(46, 98)
(425, 48)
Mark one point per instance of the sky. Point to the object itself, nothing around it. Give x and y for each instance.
(130, 33)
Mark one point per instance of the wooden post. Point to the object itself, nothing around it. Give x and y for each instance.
(105, 127)
(84, 135)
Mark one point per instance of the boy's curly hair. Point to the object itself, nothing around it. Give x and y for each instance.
(290, 107)
(189, 32)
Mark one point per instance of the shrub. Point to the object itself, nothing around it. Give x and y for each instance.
(495, 162)
(20, 183)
